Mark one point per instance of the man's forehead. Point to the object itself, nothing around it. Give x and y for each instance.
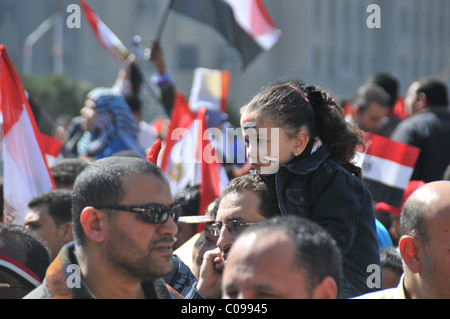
(262, 248)
(147, 188)
(236, 203)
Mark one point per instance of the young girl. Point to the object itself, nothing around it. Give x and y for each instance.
(298, 138)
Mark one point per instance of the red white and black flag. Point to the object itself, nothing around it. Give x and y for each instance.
(387, 167)
(245, 24)
(105, 36)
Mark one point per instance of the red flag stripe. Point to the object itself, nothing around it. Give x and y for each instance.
(388, 149)
(51, 145)
(92, 18)
(226, 75)
(152, 155)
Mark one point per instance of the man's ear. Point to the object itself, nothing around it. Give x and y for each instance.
(410, 249)
(300, 142)
(92, 221)
(65, 230)
(327, 289)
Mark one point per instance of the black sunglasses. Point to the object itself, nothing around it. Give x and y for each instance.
(233, 226)
(152, 213)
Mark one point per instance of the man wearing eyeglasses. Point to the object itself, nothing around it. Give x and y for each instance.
(124, 230)
(246, 200)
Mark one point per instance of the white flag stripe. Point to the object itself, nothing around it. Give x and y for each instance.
(111, 40)
(242, 13)
(22, 273)
(267, 41)
(183, 166)
(384, 171)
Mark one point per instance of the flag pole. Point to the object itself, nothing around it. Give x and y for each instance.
(159, 30)
(163, 21)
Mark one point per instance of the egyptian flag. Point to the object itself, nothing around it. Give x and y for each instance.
(387, 167)
(176, 148)
(104, 35)
(245, 24)
(189, 157)
(25, 170)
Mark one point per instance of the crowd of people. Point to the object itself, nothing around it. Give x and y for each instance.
(297, 221)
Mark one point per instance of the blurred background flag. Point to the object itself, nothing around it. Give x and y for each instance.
(387, 167)
(104, 35)
(245, 24)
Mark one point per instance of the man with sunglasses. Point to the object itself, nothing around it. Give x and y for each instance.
(124, 227)
(246, 200)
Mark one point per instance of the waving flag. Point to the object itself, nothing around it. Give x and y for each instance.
(181, 121)
(26, 173)
(152, 155)
(104, 35)
(245, 24)
(189, 157)
(387, 167)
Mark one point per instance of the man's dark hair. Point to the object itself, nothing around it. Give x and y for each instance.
(316, 251)
(435, 90)
(189, 199)
(256, 184)
(37, 255)
(59, 203)
(66, 170)
(388, 82)
(392, 259)
(369, 93)
(102, 183)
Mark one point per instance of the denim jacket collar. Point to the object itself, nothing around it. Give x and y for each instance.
(305, 163)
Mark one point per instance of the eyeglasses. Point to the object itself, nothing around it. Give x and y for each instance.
(153, 213)
(233, 226)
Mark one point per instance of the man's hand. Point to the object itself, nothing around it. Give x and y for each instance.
(211, 274)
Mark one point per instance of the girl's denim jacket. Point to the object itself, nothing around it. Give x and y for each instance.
(318, 188)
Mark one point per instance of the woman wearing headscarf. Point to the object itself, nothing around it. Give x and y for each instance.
(109, 125)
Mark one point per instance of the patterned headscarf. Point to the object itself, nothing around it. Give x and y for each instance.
(114, 121)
